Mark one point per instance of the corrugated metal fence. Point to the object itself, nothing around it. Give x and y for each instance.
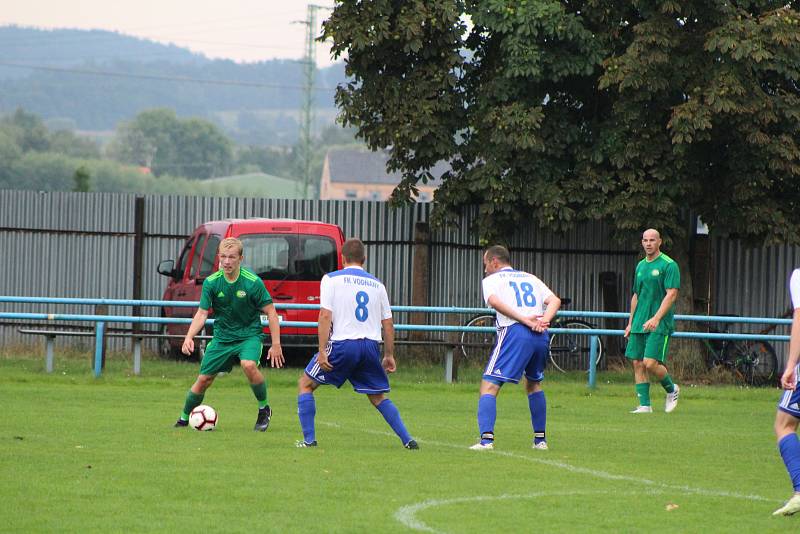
(754, 282)
(82, 245)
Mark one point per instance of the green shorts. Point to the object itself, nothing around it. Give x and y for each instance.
(650, 345)
(220, 356)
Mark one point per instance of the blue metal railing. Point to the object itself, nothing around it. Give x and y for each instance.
(101, 321)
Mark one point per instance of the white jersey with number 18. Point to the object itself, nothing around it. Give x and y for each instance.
(517, 289)
(358, 301)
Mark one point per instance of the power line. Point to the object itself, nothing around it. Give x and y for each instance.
(245, 45)
(77, 37)
(181, 79)
(213, 23)
(90, 35)
(156, 41)
(71, 59)
(164, 42)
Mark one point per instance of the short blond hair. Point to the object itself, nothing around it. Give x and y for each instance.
(231, 242)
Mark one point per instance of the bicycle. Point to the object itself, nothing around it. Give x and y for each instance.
(752, 362)
(567, 351)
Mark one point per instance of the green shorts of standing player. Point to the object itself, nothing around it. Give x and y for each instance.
(238, 298)
(651, 322)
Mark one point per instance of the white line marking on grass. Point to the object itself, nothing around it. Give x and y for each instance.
(407, 515)
(582, 470)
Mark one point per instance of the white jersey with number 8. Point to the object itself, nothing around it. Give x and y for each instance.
(358, 301)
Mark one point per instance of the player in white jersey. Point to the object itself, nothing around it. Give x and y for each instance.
(354, 308)
(787, 418)
(525, 306)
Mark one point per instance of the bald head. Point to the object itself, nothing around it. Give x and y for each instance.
(652, 232)
(651, 243)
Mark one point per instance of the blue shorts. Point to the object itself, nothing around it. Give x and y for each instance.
(518, 349)
(790, 400)
(357, 360)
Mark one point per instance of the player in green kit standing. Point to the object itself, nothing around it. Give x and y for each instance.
(655, 289)
(238, 298)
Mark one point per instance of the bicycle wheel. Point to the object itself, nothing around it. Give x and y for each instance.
(475, 346)
(570, 351)
(756, 361)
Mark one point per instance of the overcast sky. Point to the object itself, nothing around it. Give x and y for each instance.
(241, 30)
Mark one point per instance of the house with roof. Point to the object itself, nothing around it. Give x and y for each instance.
(360, 174)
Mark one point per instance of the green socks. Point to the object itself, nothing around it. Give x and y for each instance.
(668, 384)
(260, 391)
(193, 400)
(643, 392)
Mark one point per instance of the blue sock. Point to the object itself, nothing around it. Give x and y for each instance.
(790, 452)
(306, 411)
(487, 415)
(392, 415)
(538, 405)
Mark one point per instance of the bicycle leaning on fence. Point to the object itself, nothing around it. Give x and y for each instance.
(751, 362)
(568, 351)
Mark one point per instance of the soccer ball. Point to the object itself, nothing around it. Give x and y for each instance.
(203, 418)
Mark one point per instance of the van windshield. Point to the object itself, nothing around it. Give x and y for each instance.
(289, 256)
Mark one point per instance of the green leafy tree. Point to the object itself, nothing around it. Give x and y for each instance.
(9, 149)
(66, 142)
(158, 139)
(41, 171)
(132, 145)
(271, 160)
(28, 131)
(203, 151)
(642, 113)
(9, 154)
(81, 179)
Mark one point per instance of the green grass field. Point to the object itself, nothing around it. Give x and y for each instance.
(254, 184)
(80, 454)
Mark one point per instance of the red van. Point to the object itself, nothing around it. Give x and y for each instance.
(291, 256)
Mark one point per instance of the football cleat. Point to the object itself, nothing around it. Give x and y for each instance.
(180, 423)
(542, 446)
(643, 409)
(790, 507)
(303, 444)
(411, 445)
(672, 399)
(482, 447)
(264, 416)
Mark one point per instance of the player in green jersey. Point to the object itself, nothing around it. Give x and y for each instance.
(238, 298)
(655, 289)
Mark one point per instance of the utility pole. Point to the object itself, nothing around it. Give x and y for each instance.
(307, 109)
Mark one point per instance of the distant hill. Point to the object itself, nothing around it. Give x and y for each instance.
(65, 48)
(100, 78)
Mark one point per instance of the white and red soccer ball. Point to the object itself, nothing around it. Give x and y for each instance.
(203, 418)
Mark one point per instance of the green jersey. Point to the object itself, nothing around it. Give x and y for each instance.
(237, 305)
(650, 284)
